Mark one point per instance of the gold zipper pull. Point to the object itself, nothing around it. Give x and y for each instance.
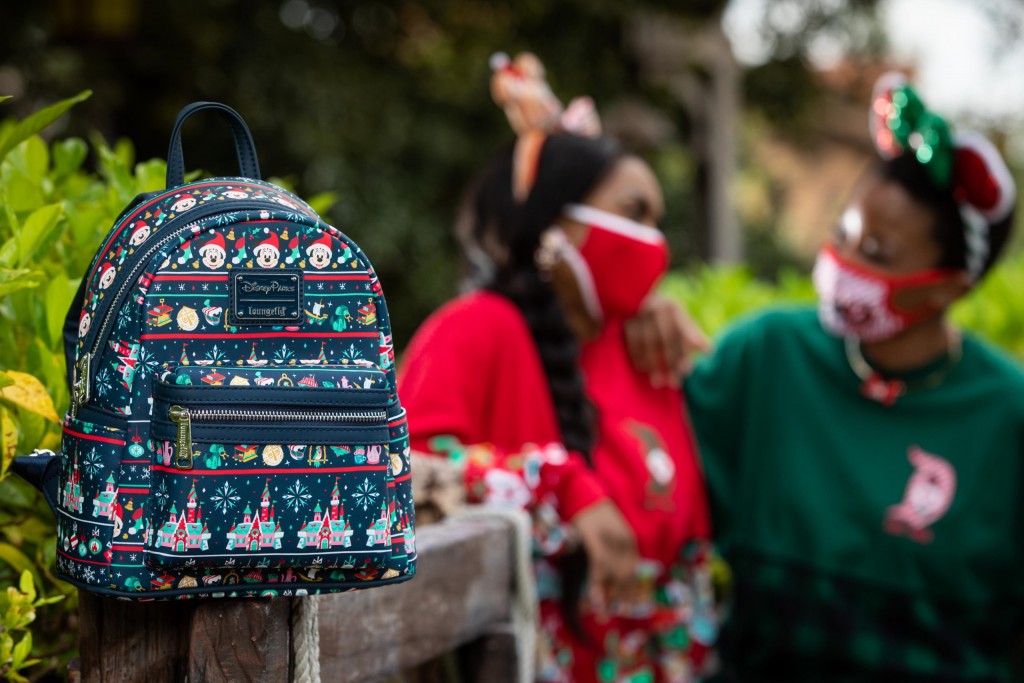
(80, 387)
(183, 443)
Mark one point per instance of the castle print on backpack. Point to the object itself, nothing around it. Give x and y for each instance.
(234, 428)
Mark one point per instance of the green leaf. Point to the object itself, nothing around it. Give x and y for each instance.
(5, 380)
(18, 561)
(59, 294)
(32, 158)
(8, 439)
(26, 586)
(23, 195)
(4, 98)
(68, 156)
(36, 122)
(151, 175)
(37, 231)
(13, 280)
(21, 651)
(18, 495)
(114, 169)
(28, 395)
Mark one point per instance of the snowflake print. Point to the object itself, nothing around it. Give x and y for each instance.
(93, 463)
(297, 496)
(365, 495)
(103, 382)
(148, 363)
(125, 318)
(88, 574)
(161, 494)
(225, 498)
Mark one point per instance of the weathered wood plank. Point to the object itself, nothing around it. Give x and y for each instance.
(163, 642)
(122, 642)
(241, 641)
(491, 658)
(462, 590)
(462, 587)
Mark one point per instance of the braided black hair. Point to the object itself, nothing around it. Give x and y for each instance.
(948, 231)
(508, 231)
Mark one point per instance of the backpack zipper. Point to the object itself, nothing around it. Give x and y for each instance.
(183, 418)
(83, 367)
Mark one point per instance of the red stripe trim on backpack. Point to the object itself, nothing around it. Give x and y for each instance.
(317, 277)
(191, 278)
(265, 471)
(92, 437)
(258, 335)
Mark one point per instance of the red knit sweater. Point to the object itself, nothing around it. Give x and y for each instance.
(472, 372)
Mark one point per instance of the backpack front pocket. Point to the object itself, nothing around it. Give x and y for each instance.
(274, 478)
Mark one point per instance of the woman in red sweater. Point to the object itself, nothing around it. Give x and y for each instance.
(525, 383)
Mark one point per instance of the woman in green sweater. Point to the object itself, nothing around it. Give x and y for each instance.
(865, 462)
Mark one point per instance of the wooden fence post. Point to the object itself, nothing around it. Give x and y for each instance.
(462, 589)
(240, 641)
(461, 595)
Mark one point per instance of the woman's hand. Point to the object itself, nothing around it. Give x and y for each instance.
(662, 340)
(611, 551)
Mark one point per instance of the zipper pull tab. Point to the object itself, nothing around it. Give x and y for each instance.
(80, 394)
(183, 444)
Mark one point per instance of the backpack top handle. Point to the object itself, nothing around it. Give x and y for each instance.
(245, 149)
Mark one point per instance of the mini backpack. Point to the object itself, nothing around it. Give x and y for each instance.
(234, 428)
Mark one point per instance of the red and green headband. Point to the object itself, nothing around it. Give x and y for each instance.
(966, 163)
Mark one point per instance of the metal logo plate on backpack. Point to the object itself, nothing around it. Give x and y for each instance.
(266, 298)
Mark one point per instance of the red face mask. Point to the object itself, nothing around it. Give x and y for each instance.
(618, 264)
(856, 301)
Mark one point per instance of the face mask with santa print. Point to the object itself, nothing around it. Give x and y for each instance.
(858, 302)
(618, 263)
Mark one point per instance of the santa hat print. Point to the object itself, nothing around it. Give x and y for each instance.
(323, 243)
(216, 243)
(137, 228)
(270, 243)
(106, 270)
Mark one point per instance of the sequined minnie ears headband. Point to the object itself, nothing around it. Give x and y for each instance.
(965, 162)
(520, 88)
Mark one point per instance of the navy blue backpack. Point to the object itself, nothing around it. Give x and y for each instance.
(234, 428)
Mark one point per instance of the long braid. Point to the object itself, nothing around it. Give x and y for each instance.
(508, 232)
(559, 355)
